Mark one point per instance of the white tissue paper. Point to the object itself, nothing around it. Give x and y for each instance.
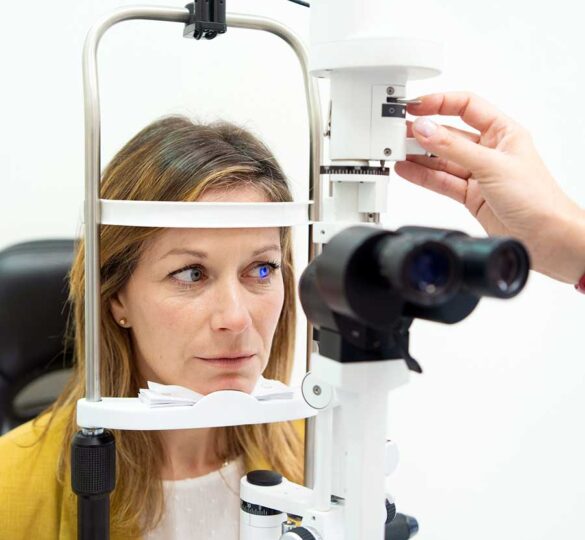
(169, 395)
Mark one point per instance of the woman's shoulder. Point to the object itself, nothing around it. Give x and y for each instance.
(37, 443)
(31, 496)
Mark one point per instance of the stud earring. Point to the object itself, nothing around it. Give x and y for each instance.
(123, 322)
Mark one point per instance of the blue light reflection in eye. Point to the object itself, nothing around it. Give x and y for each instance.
(264, 272)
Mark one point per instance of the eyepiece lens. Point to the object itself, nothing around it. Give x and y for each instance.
(507, 269)
(429, 270)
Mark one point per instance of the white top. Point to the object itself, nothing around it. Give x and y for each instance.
(203, 507)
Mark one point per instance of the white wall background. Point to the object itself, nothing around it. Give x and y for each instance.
(491, 435)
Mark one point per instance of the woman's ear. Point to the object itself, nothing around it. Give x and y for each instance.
(118, 309)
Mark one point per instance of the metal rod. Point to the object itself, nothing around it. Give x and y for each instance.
(322, 479)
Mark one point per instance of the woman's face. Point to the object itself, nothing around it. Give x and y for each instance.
(202, 304)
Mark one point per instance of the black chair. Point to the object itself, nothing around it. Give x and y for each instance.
(34, 363)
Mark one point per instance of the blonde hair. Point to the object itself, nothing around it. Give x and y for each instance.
(174, 159)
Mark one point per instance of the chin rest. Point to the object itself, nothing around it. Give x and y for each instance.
(33, 317)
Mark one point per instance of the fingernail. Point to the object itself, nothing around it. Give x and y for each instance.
(425, 127)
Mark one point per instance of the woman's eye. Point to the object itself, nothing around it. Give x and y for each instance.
(264, 271)
(189, 275)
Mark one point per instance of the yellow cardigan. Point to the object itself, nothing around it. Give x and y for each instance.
(33, 504)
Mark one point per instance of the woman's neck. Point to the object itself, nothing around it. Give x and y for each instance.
(189, 453)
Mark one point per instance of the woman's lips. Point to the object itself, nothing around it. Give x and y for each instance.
(231, 362)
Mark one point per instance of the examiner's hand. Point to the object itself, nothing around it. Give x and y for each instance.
(498, 175)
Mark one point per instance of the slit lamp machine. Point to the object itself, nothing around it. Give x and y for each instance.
(361, 291)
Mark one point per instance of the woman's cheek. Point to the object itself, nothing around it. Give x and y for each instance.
(167, 321)
(277, 296)
(273, 308)
(175, 310)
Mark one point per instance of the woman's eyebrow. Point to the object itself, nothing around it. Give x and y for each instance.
(203, 255)
(271, 247)
(184, 251)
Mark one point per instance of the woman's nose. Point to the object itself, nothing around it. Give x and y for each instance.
(230, 312)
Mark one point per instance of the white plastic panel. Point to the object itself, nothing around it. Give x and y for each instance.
(395, 59)
(223, 408)
(212, 215)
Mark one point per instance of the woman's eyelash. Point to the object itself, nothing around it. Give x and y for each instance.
(275, 265)
(188, 267)
(182, 283)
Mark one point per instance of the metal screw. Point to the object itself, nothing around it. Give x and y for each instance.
(317, 390)
(387, 152)
(390, 90)
(92, 432)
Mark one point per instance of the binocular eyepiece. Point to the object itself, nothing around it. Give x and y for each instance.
(376, 277)
(430, 266)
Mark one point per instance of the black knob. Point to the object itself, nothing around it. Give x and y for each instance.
(93, 464)
(264, 478)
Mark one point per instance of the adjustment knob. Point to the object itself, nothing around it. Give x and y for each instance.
(264, 478)
(257, 510)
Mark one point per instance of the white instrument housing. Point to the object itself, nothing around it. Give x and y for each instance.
(365, 70)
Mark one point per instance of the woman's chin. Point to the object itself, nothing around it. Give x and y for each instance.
(233, 382)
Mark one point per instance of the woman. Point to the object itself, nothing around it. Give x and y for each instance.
(498, 175)
(208, 309)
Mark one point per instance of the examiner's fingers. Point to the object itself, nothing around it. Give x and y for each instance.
(474, 111)
(437, 181)
(441, 164)
(473, 137)
(440, 141)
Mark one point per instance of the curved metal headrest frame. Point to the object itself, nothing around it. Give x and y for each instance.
(92, 154)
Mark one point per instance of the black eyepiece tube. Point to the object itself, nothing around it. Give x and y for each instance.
(496, 267)
(425, 271)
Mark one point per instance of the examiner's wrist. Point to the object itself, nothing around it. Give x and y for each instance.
(579, 242)
(560, 250)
